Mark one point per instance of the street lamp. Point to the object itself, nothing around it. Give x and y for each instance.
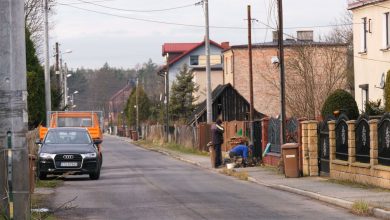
(72, 98)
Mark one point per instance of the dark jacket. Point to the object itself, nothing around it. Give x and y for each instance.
(217, 134)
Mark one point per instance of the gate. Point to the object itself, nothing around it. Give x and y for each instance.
(257, 143)
(323, 146)
(274, 135)
(292, 127)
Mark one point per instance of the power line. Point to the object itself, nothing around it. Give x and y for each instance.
(80, 3)
(191, 25)
(133, 10)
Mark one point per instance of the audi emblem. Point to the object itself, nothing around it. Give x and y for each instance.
(68, 157)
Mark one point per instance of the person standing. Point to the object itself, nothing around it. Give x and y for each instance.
(217, 140)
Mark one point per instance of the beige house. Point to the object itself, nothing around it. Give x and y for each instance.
(323, 70)
(200, 78)
(371, 40)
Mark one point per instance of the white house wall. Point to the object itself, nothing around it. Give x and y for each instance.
(370, 66)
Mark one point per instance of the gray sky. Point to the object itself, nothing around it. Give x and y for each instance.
(124, 42)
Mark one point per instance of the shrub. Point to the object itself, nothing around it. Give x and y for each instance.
(387, 92)
(340, 100)
(374, 108)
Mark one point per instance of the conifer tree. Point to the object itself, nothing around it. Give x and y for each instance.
(182, 98)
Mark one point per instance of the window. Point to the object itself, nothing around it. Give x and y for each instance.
(194, 60)
(385, 31)
(363, 36)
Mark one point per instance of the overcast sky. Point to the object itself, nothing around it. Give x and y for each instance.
(124, 42)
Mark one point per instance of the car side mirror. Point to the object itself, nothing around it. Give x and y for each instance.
(38, 141)
(97, 141)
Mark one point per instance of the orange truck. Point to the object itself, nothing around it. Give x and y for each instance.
(91, 120)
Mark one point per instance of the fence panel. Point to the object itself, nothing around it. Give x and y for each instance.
(342, 138)
(384, 140)
(362, 139)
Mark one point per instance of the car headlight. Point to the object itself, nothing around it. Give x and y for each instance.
(47, 156)
(89, 155)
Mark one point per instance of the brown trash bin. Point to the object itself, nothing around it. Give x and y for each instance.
(134, 135)
(290, 154)
(212, 154)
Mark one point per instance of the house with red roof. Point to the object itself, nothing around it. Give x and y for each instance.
(193, 55)
(117, 103)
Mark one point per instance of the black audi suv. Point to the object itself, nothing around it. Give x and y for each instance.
(68, 150)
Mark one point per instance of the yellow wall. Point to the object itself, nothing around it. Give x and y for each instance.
(370, 66)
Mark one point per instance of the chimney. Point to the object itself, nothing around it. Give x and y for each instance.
(305, 35)
(275, 36)
(225, 45)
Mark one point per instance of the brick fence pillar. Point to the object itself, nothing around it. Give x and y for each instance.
(305, 149)
(332, 142)
(351, 141)
(313, 147)
(373, 142)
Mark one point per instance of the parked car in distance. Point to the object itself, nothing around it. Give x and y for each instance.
(68, 150)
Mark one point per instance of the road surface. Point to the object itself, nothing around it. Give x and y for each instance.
(140, 184)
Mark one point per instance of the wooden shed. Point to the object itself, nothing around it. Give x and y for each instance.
(227, 103)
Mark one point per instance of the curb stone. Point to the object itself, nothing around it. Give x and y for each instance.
(377, 212)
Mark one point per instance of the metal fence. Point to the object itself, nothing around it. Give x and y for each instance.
(362, 139)
(384, 140)
(342, 138)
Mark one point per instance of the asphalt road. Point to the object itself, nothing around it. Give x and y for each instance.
(139, 184)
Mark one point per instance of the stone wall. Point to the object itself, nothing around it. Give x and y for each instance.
(370, 173)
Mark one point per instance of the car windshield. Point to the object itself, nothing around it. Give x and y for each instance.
(67, 137)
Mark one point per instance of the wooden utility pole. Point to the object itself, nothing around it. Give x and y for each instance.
(14, 169)
(282, 77)
(251, 111)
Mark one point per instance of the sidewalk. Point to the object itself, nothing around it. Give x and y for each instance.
(314, 187)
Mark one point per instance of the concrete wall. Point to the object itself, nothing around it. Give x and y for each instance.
(370, 65)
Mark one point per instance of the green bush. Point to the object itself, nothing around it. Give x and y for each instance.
(387, 92)
(342, 101)
(374, 108)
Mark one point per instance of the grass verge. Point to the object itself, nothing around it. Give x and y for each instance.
(50, 183)
(361, 208)
(241, 175)
(38, 201)
(171, 146)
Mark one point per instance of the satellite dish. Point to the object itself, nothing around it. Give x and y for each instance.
(382, 83)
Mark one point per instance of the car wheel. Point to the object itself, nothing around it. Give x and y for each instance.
(95, 175)
(42, 176)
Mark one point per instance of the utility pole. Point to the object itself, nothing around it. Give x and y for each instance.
(167, 100)
(251, 111)
(136, 101)
(14, 195)
(65, 85)
(47, 61)
(281, 65)
(209, 104)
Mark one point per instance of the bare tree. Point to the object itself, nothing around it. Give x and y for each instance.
(312, 73)
(343, 33)
(34, 19)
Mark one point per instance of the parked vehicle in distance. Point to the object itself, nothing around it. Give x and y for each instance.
(68, 150)
(91, 120)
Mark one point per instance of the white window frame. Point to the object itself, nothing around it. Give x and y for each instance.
(386, 31)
